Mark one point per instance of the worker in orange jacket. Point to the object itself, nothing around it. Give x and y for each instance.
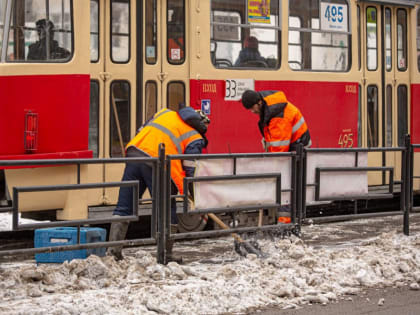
(281, 124)
(182, 132)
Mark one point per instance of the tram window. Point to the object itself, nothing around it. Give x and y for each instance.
(176, 95)
(151, 99)
(120, 119)
(175, 30)
(244, 36)
(94, 30)
(359, 40)
(402, 39)
(319, 37)
(371, 38)
(150, 32)
(388, 116)
(372, 116)
(402, 114)
(41, 31)
(2, 12)
(388, 40)
(418, 39)
(295, 44)
(94, 118)
(120, 31)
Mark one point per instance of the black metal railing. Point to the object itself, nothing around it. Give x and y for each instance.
(155, 163)
(161, 195)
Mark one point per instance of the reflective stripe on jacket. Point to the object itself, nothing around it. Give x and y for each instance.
(282, 124)
(168, 128)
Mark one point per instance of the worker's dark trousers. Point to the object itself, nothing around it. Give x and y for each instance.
(143, 173)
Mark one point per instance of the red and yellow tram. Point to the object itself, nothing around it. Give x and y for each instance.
(350, 66)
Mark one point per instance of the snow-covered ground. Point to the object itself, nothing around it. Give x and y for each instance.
(295, 272)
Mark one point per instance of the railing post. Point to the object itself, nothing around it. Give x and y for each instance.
(299, 183)
(406, 180)
(15, 205)
(303, 184)
(160, 199)
(167, 208)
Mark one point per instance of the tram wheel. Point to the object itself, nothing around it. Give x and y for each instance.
(191, 222)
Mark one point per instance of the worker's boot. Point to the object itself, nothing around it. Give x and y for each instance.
(169, 246)
(117, 232)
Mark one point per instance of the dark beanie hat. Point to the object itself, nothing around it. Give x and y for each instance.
(250, 98)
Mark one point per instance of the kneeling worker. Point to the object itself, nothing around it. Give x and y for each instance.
(182, 132)
(281, 124)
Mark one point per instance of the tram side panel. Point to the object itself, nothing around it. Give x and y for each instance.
(415, 113)
(60, 105)
(330, 109)
(415, 130)
(45, 117)
(44, 112)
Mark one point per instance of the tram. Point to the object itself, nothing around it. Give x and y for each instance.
(352, 67)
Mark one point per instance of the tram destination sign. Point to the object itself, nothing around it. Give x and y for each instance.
(333, 17)
(234, 88)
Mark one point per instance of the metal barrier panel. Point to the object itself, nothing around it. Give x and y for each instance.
(319, 161)
(237, 169)
(246, 191)
(156, 171)
(337, 184)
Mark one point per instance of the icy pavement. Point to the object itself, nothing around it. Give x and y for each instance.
(323, 267)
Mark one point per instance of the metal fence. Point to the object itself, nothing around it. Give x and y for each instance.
(295, 190)
(155, 163)
(161, 196)
(406, 182)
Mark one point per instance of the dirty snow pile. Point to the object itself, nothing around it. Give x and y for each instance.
(293, 274)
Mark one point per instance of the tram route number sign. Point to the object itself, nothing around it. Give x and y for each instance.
(333, 17)
(234, 88)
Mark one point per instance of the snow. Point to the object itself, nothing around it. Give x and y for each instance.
(295, 272)
(6, 221)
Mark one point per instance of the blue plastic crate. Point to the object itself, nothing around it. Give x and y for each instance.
(68, 236)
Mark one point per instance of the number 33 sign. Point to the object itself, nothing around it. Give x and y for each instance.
(234, 88)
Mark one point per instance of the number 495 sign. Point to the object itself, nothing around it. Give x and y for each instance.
(333, 17)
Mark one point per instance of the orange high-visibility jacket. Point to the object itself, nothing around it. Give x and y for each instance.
(281, 123)
(168, 128)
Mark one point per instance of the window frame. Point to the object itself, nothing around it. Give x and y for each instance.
(9, 27)
(168, 94)
(318, 30)
(150, 82)
(111, 55)
(375, 110)
(377, 44)
(112, 116)
(404, 39)
(97, 83)
(155, 33)
(99, 31)
(184, 36)
(245, 25)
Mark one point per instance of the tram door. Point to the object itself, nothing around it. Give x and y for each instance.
(113, 106)
(165, 75)
(385, 90)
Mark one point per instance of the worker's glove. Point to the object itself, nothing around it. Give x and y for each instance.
(264, 144)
